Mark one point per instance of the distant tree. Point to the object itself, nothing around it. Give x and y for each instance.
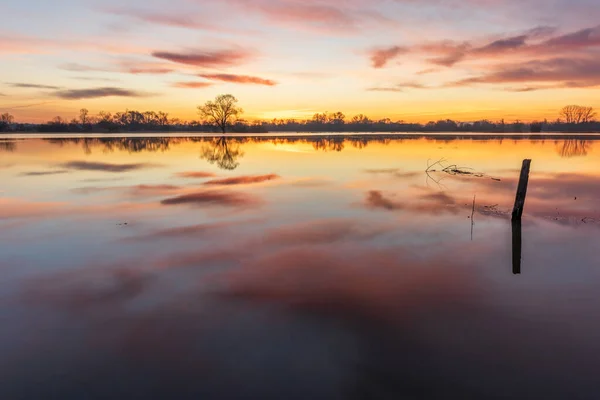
(320, 118)
(150, 118)
(104, 117)
(222, 112)
(568, 113)
(536, 127)
(163, 118)
(587, 114)
(83, 116)
(361, 119)
(5, 121)
(337, 118)
(574, 114)
(7, 118)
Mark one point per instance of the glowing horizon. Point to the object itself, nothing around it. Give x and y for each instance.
(399, 59)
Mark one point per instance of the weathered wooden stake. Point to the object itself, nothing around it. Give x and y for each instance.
(521, 191)
(517, 242)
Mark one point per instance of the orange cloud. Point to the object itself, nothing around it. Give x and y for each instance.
(192, 85)
(242, 180)
(243, 79)
(196, 174)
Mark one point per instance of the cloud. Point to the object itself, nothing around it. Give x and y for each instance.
(105, 167)
(20, 44)
(94, 79)
(149, 70)
(394, 173)
(152, 190)
(428, 71)
(341, 279)
(243, 79)
(33, 86)
(323, 232)
(206, 59)
(192, 85)
(322, 16)
(503, 45)
(385, 89)
(44, 173)
(398, 87)
(376, 199)
(29, 105)
(135, 191)
(165, 18)
(557, 72)
(243, 180)
(213, 198)
(78, 294)
(428, 203)
(380, 57)
(123, 66)
(76, 67)
(589, 37)
(191, 231)
(78, 94)
(195, 174)
(449, 53)
(537, 42)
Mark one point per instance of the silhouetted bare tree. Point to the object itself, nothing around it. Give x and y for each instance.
(6, 117)
(5, 121)
(574, 114)
(222, 112)
(83, 116)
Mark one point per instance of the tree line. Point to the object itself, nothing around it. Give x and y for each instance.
(223, 115)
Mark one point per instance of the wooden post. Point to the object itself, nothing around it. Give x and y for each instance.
(521, 191)
(516, 246)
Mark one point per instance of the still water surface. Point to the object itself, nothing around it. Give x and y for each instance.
(316, 268)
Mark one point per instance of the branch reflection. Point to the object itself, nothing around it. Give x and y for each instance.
(223, 152)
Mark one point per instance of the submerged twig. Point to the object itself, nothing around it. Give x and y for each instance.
(454, 169)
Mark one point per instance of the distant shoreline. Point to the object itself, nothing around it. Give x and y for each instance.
(302, 135)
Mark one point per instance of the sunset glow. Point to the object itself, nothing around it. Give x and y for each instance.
(407, 60)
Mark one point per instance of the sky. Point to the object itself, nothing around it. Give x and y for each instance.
(411, 60)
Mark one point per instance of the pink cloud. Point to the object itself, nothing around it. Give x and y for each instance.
(206, 58)
(380, 57)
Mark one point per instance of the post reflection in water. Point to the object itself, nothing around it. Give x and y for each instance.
(272, 267)
(517, 243)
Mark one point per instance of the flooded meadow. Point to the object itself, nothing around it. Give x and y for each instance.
(322, 267)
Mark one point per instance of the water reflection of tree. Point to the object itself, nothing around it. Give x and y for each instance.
(329, 144)
(6, 145)
(575, 148)
(222, 151)
(131, 145)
